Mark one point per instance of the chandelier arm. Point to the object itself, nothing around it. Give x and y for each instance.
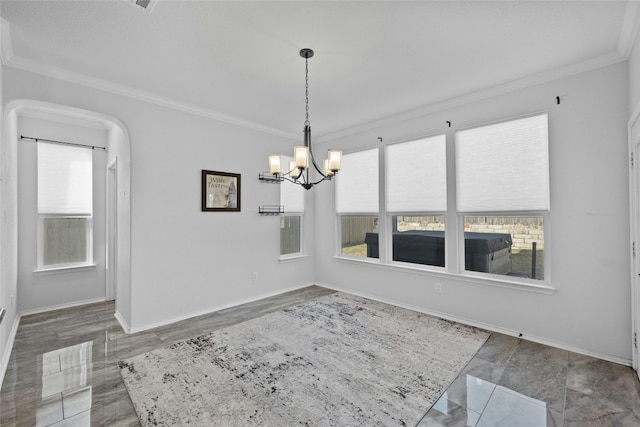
(307, 143)
(306, 183)
(313, 161)
(290, 180)
(324, 178)
(299, 180)
(289, 173)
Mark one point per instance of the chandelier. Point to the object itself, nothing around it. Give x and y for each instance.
(298, 168)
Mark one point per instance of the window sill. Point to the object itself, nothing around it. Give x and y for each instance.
(65, 269)
(292, 258)
(482, 279)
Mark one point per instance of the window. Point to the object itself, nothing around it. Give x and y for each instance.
(516, 248)
(501, 207)
(65, 206)
(357, 203)
(416, 196)
(502, 188)
(290, 234)
(292, 198)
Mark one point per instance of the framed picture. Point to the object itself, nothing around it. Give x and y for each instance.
(220, 191)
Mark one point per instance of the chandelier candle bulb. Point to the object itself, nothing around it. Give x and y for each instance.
(294, 172)
(301, 156)
(274, 165)
(335, 157)
(325, 167)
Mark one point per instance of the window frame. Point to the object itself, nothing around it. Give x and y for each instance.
(454, 268)
(63, 266)
(389, 213)
(519, 212)
(415, 265)
(545, 283)
(339, 238)
(380, 218)
(40, 231)
(299, 213)
(301, 252)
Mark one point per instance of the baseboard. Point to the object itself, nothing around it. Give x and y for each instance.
(210, 310)
(9, 348)
(61, 306)
(482, 325)
(123, 323)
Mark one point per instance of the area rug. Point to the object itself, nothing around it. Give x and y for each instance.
(338, 360)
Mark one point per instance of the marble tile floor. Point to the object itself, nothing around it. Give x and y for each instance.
(62, 372)
(517, 383)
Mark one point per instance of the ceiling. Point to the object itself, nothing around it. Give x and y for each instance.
(238, 61)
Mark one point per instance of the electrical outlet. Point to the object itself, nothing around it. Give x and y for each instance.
(255, 276)
(12, 301)
(438, 288)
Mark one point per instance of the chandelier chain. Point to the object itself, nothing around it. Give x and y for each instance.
(306, 91)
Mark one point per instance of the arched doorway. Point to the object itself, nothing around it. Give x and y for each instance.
(117, 198)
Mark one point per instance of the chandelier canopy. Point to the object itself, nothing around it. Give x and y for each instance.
(297, 171)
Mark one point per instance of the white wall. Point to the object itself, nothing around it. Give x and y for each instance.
(39, 291)
(8, 230)
(184, 261)
(120, 153)
(9, 236)
(588, 235)
(8, 239)
(634, 74)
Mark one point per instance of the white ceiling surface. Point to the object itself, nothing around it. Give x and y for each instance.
(373, 60)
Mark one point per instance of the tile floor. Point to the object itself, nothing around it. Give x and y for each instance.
(62, 372)
(517, 383)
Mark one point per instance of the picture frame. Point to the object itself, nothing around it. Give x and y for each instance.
(220, 191)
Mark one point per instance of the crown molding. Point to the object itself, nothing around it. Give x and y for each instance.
(629, 28)
(533, 80)
(140, 95)
(6, 46)
(9, 59)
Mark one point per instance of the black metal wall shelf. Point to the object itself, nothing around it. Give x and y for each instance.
(271, 210)
(270, 178)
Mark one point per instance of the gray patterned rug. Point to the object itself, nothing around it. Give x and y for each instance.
(338, 360)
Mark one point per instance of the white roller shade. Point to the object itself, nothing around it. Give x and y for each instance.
(504, 166)
(291, 195)
(65, 179)
(416, 175)
(357, 183)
